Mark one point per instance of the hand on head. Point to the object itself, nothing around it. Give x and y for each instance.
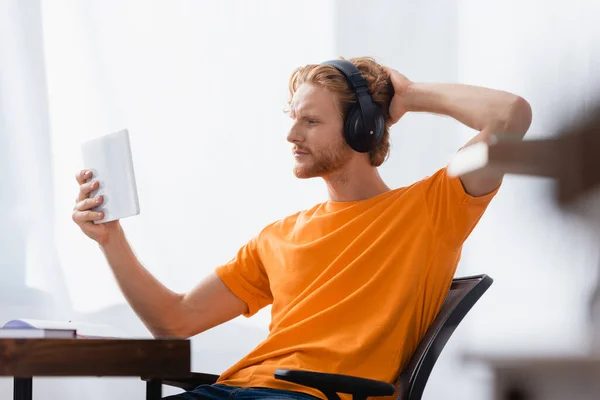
(401, 86)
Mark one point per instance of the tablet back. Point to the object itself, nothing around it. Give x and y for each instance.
(109, 158)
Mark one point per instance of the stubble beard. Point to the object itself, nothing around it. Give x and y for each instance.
(323, 162)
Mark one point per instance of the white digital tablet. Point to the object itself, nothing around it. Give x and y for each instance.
(109, 158)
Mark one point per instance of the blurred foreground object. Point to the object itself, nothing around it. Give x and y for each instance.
(572, 157)
(542, 377)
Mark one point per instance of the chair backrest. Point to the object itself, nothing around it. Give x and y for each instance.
(462, 296)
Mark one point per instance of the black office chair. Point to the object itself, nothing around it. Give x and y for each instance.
(463, 295)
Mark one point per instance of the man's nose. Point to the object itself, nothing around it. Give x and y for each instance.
(295, 135)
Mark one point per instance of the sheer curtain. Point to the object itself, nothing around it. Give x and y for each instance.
(28, 256)
(32, 283)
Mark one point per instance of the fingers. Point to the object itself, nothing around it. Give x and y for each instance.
(85, 189)
(82, 212)
(81, 217)
(83, 175)
(389, 71)
(89, 203)
(395, 76)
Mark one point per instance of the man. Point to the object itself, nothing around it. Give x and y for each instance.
(355, 281)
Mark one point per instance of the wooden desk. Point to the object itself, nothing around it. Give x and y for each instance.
(25, 358)
(572, 377)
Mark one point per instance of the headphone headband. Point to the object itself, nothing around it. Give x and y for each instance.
(363, 134)
(352, 74)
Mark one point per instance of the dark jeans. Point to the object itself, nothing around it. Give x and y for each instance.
(223, 392)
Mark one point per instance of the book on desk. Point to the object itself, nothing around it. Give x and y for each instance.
(35, 328)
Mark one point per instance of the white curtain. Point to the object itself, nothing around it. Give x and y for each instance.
(28, 254)
(201, 86)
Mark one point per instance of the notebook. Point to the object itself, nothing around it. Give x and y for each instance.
(36, 328)
(13, 333)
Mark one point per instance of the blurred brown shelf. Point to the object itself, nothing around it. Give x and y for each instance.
(571, 158)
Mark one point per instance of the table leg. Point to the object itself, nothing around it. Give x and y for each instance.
(154, 389)
(23, 388)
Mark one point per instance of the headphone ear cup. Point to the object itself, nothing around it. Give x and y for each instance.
(379, 126)
(357, 136)
(353, 126)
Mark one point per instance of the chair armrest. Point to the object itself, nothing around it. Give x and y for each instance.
(188, 382)
(331, 384)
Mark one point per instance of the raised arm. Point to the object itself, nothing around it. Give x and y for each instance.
(491, 112)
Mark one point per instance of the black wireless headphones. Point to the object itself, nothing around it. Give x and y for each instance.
(364, 124)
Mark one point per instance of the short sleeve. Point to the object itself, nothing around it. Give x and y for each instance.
(245, 276)
(453, 212)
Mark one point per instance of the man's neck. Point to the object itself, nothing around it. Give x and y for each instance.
(355, 184)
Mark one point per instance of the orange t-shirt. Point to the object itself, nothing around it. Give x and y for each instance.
(354, 285)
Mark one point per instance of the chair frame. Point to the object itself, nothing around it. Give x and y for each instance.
(417, 377)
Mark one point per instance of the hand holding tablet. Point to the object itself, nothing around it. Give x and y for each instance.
(112, 175)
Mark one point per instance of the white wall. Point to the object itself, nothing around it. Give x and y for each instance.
(418, 39)
(543, 262)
